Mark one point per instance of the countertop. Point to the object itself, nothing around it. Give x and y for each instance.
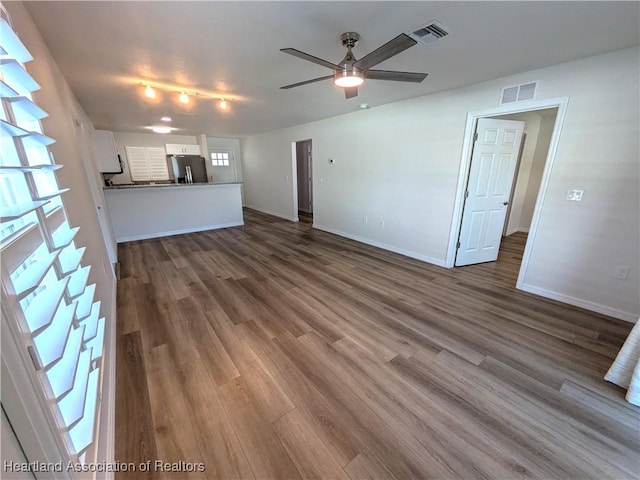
(166, 185)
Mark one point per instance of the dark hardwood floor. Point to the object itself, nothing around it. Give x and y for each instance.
(275, 351)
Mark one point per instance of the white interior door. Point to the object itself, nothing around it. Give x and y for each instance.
(493, 166)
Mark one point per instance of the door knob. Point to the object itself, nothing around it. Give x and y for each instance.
(505, 203)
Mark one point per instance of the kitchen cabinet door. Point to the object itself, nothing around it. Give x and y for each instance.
(105, 152)
(179, 149)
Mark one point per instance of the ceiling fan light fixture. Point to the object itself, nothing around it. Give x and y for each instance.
(348, 77)
(149, 92)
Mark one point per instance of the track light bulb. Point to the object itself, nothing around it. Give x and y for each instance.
(184, 98)
(223, 104)
(149, 92)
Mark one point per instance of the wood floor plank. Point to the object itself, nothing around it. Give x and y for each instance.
(310, 455)
(266, 391)
(364, 467)
(222, 453)
(136, 441)
(327, 419)
(205, 341)
(174, 431)
(266, 454)
(275, 350)
(127, 317)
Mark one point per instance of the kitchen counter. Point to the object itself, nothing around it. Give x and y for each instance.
(139, 212)
(155, 185)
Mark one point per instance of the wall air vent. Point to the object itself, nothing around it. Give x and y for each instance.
(518, 93)
(429, 32)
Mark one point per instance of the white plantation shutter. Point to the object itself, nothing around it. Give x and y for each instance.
(44, 281)
(147, 163)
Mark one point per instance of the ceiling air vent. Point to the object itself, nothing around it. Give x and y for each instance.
(429, 32)
(518, 93)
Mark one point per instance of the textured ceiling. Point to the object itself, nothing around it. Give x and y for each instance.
(106, 49)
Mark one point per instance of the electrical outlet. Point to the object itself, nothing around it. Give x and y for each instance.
(621, 272)
(575, 195)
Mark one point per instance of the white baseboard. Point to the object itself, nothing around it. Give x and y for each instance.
(204, 228)
(269, 212)
(384, 246)
(582, 303)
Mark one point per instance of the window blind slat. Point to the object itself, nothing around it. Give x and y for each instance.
(49, 196)
(64, 238)
(6, 91)
(62, 374)
(77, 281)
(16, 211)
(50, 343)
(83, 432)
(35, 139)
(40, 311)
(17, 77)
(31, 168)
(11, 44)
(91, 322)
(97, 343)
(29, 279)
(24, 106)
(84, 302)
(72, 405)
(29, 139)
(71, 261)
(14, 237)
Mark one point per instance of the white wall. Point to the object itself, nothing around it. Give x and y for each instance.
(538, 162)
(398, 165)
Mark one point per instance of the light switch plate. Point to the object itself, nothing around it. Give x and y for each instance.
(575, 195)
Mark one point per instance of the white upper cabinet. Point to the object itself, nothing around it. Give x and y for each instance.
(106, 154)
(179, 149)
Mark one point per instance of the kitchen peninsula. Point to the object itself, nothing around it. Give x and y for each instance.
(157, 210)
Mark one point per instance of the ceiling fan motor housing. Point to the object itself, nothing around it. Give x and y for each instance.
(350, 39)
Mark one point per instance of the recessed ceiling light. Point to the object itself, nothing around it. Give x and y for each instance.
(161, 129)
(166, 119)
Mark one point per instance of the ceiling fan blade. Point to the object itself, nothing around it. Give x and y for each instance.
(396, 76)
(313, 80)
(388, 50)
(309, 58)
(350, 92)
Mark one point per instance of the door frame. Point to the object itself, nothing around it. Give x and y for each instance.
(465, 166)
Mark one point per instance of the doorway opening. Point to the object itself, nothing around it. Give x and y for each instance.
(519, 187)
(304, 180)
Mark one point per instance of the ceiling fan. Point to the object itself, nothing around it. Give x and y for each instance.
(350, 72)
